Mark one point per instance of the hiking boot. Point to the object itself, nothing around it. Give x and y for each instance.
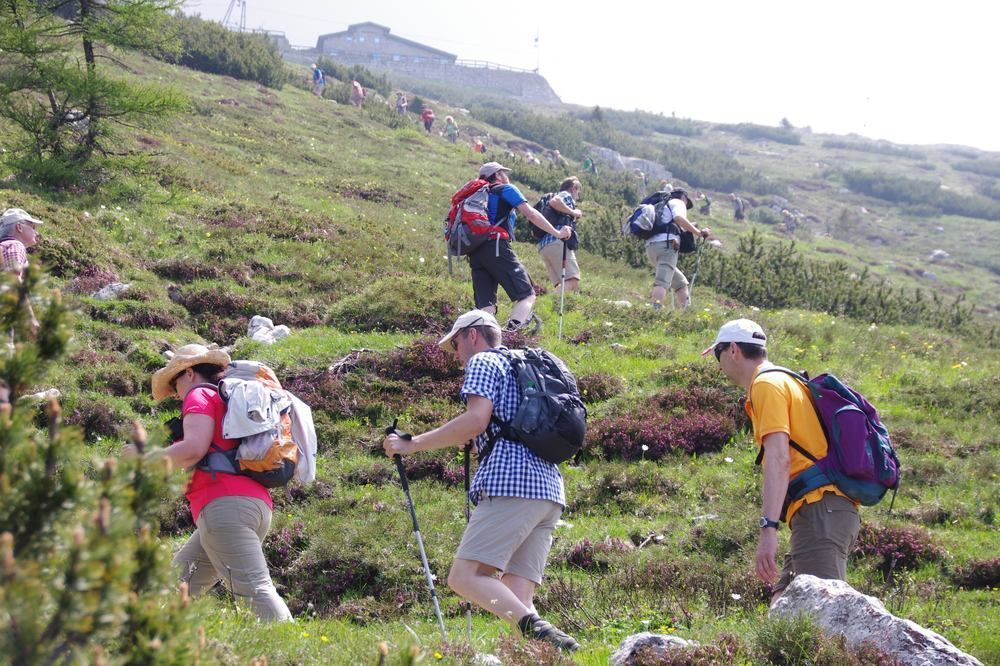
(530, 327)
(536, 628)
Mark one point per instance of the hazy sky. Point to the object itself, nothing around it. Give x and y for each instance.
(912, 72)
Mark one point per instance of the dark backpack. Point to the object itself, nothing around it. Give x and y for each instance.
(551, 419)
(860, 460)
(555, 218)
(645, 222)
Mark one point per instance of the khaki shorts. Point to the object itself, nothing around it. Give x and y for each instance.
(823, 534)
(552, 256)
(664, 258)
(511, 534)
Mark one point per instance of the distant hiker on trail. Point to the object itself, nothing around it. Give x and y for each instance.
(450, 129)
(401, 103)
(18, 232)
(663, 249)
(740, 207)
(318, 80)
(563, 203)
(589, 165)
(427, 116)
(706, 206)
(558, 159)
(232, 512)
(518, 495)
(494, 263)
(643, 182)
(478, 147)
(824, 522)
(357, 94)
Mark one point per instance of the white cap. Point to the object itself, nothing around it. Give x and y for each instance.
(491, 168)
(15, 215)
(468, 320)
(739, 330)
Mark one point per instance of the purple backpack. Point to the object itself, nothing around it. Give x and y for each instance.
(860, 459)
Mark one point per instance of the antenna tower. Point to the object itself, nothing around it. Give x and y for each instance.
(241, 26)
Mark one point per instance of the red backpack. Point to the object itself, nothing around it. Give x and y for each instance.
(467, 226)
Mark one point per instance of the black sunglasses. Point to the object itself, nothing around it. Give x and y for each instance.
(719, 348)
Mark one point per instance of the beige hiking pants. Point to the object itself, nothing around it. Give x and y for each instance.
(227, 547)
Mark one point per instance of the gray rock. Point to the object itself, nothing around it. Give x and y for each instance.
(938, 255)
(837, 608)
(112, 291)
(486, 660)
(655, 645)
(927, 275)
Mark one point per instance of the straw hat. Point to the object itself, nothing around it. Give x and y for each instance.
(184, 358)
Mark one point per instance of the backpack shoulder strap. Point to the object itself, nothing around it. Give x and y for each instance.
(812, 400)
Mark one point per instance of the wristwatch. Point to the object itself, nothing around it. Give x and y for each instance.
(764, 523)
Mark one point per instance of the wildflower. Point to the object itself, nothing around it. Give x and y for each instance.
(304, 634)
(728, 459)
(736, 597)
(438, 655)
(324, 639)
(421, 260)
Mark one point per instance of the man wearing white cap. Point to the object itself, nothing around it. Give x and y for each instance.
(518, 496)
(495, 264)
(18, 232)
(824, 523)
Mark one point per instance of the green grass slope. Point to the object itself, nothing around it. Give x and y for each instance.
(327, 218)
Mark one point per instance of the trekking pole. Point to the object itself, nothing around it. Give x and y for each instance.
(697, 266)
(391, 430)
(468, 604)
(562, 289)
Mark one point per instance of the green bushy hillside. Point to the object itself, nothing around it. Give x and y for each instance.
(327, 218)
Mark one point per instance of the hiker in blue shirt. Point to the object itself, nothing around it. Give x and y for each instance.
(495, 264)
(318, 80)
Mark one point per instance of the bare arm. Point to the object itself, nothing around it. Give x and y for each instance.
(560, 207)
(539, 221)
(776, 462)
(198, 431)
(469, 424)
(685, 225)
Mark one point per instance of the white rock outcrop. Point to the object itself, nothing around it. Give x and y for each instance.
(263, 330)
(837, 608)
(655, 646)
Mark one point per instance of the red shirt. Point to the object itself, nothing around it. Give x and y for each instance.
(203, 488)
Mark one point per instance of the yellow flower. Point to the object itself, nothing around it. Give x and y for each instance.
(304, 634)
(324, 639)
(438, 655)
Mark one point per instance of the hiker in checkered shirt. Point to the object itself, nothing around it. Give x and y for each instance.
(18, 232)
(518, 496)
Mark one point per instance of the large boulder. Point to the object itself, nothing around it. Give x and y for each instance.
(653, 647)
(838, 608)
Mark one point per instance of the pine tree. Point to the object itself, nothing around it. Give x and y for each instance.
(83, 578)
(52, 88)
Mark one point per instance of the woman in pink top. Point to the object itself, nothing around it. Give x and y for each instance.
(232, 512)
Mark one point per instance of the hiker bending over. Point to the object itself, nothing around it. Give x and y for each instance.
(232, 512)
(824, 522)
(357, 94)
(551, 248)
(450, 129)
(427, 116)
(663, 249)
(518, 496)
(495, 264)
(18, 232)
(740, 207)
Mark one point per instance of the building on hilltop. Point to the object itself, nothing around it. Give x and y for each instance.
(372, 45)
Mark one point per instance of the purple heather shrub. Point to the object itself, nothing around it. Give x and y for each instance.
(593, 555)
(599, 386)
(422, 359)
(283, 547)
(897, 547)
(625, 436)
(978, 574)
(91, 279)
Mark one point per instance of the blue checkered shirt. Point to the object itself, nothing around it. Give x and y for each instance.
(567, 199)
(511, 469)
